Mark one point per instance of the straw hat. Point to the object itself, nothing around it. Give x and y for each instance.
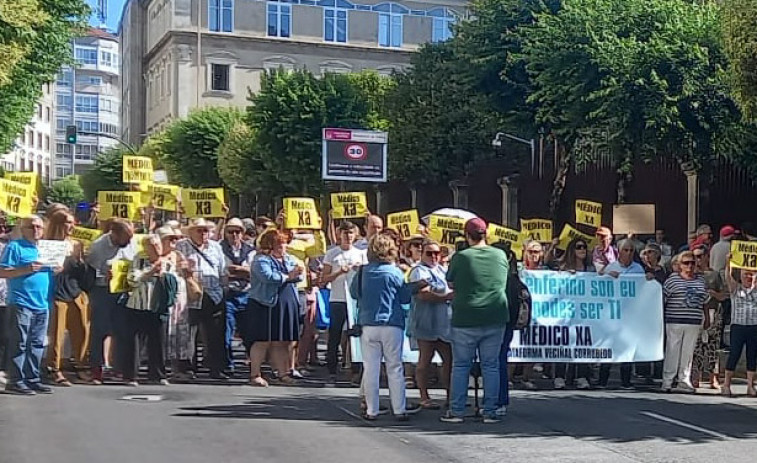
(167, 232)
(235, 223)
(200, 223)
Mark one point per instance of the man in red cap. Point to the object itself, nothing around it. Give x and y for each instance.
(478, 276)
(720, 250)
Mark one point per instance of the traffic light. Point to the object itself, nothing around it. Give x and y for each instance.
(71, 134)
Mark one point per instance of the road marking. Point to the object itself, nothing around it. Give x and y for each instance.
(686, 425)
(143, 398)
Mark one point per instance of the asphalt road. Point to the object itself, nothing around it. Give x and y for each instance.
(238, 423)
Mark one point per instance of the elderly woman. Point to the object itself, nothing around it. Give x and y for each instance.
(706, 356)
(274, 306)
(380, 290)
(70, 303)
(153, 293)
(743, 327)
(429, 319)
(684, 294)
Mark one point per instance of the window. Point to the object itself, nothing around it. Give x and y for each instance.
(66, 77)
(93, 80)
(335, 25)
(48, 114)
(221, 15)
(63, 101)
(86, 103)
(30, 139)
(390, 24)
(39, 111)
(63, 149)
(87, 126)
(86, 152)
(106, 58)
(86, 55)
(61, 172)
(47, 143)
(61, 123)
(279, 19)
(39, 141)
(220, 77)
(442, 26)
(108, 128)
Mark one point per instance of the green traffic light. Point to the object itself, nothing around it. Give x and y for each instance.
(71, 134)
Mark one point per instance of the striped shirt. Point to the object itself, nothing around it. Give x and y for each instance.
(684, 299)
(744, 306)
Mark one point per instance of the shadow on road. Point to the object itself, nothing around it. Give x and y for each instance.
(611, 419)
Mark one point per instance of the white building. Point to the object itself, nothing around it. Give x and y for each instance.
(32, 150)
(88, 96)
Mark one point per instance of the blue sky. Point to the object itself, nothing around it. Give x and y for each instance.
(114, 13)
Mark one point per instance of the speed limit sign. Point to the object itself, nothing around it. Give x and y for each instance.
(356, 151)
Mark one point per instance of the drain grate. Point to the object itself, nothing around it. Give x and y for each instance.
(143, 397)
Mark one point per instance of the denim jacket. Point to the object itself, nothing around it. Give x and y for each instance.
(381, 296)
(266, 278)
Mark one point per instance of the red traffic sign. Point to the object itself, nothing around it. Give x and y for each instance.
(356, 151)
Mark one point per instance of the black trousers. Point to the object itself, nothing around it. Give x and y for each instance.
(210, 322)
(338, 315)
(625, 373)
(150, 327)
(572, 371)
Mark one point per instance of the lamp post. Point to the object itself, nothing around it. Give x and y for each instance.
(497, 143)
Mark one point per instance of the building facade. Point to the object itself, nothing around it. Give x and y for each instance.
(88, 96)
(183, 54)
(32, 151)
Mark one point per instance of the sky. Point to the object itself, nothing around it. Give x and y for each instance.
(114, 8)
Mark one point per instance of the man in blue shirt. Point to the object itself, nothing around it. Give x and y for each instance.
(29, 295)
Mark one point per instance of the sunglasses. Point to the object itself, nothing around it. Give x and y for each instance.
(415, 245)
(432, 253)
(534, 251)
(234, 231)
(687, 262)
(173, 238)
(580, 247)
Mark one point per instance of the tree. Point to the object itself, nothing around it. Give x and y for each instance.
(35, 41)
(287, 117)
(441, 125)
(740, 41)
(189, 151)
(106, 173)
(66, 190)
(635, 78)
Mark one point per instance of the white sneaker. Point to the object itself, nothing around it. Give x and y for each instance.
(559, 383)
(529, 385)
(3, 379)
(538, 368)
(685, 388)
(665, 387)
(582, 383)
(501, 411)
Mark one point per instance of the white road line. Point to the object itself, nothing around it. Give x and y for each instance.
(683, 424)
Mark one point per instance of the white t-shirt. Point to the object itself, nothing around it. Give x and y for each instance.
(338, 258)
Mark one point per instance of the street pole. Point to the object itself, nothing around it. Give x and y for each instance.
(112, 137)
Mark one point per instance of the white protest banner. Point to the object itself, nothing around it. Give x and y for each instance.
(52, 253)
(587, 318)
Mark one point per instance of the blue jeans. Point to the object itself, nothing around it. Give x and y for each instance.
(235, 303)
(504, 378)
(487, 340)
(27, 344)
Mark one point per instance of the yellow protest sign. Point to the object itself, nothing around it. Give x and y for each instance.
(16, 198)
(85, 235)
(446, 230)
(569, 233)
(406, 223)
(348, 205)
(119, 204)
(301, 213)
(27, 178)
(744, 254)
(164, 197)
(139, 242)
(137, 169)
(588, 213)
(536, 229)
(119, 270)
(499, 234)
(203, 202)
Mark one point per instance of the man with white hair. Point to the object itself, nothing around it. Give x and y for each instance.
(29, 285)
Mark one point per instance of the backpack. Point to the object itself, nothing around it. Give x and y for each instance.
(520, 297)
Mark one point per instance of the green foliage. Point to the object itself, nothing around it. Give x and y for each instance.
(189, 151)
(638, 78)
(740, 42)
(153, 147)
(35, 41)
(237, 162)
(106, 173)
(66, 190)
(440, 123)
(287, 118)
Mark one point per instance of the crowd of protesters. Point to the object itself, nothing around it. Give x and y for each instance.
(206, 283)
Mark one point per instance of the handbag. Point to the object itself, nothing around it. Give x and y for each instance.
(194, 289)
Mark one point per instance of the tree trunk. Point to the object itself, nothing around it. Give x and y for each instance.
(561, 177)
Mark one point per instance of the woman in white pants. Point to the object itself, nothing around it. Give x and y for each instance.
(380, 290)
(684, 295)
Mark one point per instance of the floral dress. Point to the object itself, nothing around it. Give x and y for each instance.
(706, 353)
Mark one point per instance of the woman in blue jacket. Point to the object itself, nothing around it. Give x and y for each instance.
(274, 306)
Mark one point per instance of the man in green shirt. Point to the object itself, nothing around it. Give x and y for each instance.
(478, 275)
